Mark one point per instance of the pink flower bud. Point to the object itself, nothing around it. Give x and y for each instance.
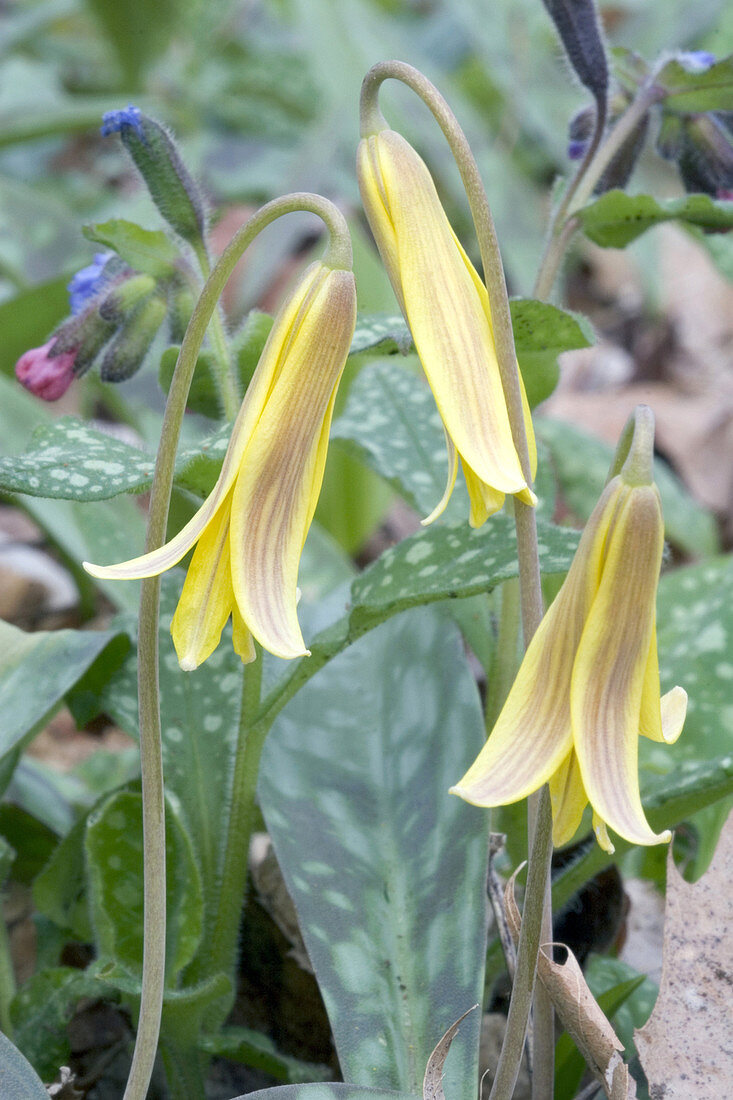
(46, 376)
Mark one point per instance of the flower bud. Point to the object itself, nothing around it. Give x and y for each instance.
(124, 298)
(702, 146)
(126, 352)
(577, 24)
(181, 304)
(85, 335)
(156, 157)
(46, 376)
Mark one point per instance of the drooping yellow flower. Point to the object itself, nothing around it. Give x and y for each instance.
(250, 531)
(589, 682)
(447, 308)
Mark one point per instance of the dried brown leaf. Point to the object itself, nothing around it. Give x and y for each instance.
(432, 1086)
(579, 1012)
(686, 1045)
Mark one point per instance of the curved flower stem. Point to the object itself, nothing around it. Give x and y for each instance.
(527, 552)
(564, 224)
(338, 254)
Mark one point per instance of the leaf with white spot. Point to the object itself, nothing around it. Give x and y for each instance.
(114, 847)
(68, 460)
(385, 331)
(376, 854)
(325, 1090)
(18, 1079)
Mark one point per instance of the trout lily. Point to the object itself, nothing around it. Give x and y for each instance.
(447, 308)
(249, 532)
(589, 682)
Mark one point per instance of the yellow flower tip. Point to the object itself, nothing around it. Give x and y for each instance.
(604, 841)
(188, 663)
(674, 711)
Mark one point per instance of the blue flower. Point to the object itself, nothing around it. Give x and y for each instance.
(113, 122)
(696, 61)
(87, 282)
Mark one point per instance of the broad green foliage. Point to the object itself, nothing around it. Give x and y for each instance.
(68, 460)
(378, 856)
(711, 90)
(241, 1044)
(323, 1091)
(114, 846)
(541, 332)
(28, 316)
(41, 1010)
(149, 251)
(37, 670)
(18, 1079)
(616, 219)
(580, 463)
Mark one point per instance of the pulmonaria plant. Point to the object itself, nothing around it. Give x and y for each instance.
(45, 374)
(589, 683)
(448, 310)
(250, 531)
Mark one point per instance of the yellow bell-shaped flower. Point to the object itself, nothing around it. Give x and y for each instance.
(447, 308)
(249, 532)
(589, 683)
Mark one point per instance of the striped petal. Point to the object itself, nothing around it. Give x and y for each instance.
(207, 596)
(660, 719)
(439, 292)
(569, 799)
(282, 468)
(611, 666)
(268, 369)
(533, 734)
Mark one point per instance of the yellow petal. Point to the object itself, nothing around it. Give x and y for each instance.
(207, 596)
(611, 664)
(485, 501)
(282, 468)
(242, 639)
(569, 799)
(450, 327)
(533, 735)
(660, 719)
(442, 504)
(270, 363)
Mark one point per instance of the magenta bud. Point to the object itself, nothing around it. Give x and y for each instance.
(45, 375)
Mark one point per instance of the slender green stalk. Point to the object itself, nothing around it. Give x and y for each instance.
(225, 377)
(7, 980)
(563, 224)
(504, 663)
(338, 253)
(527, 552)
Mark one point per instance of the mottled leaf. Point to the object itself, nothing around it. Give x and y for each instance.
(69, 460)
(41, 1010)
(378, 856)
(324, 1090)
(616, 219)
(388, 332)
(37, 670)
(114, 846)
(18, 1079)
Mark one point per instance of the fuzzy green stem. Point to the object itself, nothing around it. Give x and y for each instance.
(338, 253)
(527, 551)
(564, 225)
(224, 374)
(532, 936)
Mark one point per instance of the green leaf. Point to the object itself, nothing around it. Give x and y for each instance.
(149, 251)
(18, 1079)
(376, 854)
(569, 1062)
(41, 1010)
(32, 841)
(184, 1009)
(60, 889)
(711, 90)
(606, 977)
(386, 331)
(247, 346)
(68, 460)
(251, 1048)
(616, 219)
(37, 670)
(437, 563)
(541, 332)
(324, 1090)
(122, 25)
(27, 319)
(114, 847)
(581, 462)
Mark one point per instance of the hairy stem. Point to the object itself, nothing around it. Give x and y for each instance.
(338, 254)
(529, 573)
